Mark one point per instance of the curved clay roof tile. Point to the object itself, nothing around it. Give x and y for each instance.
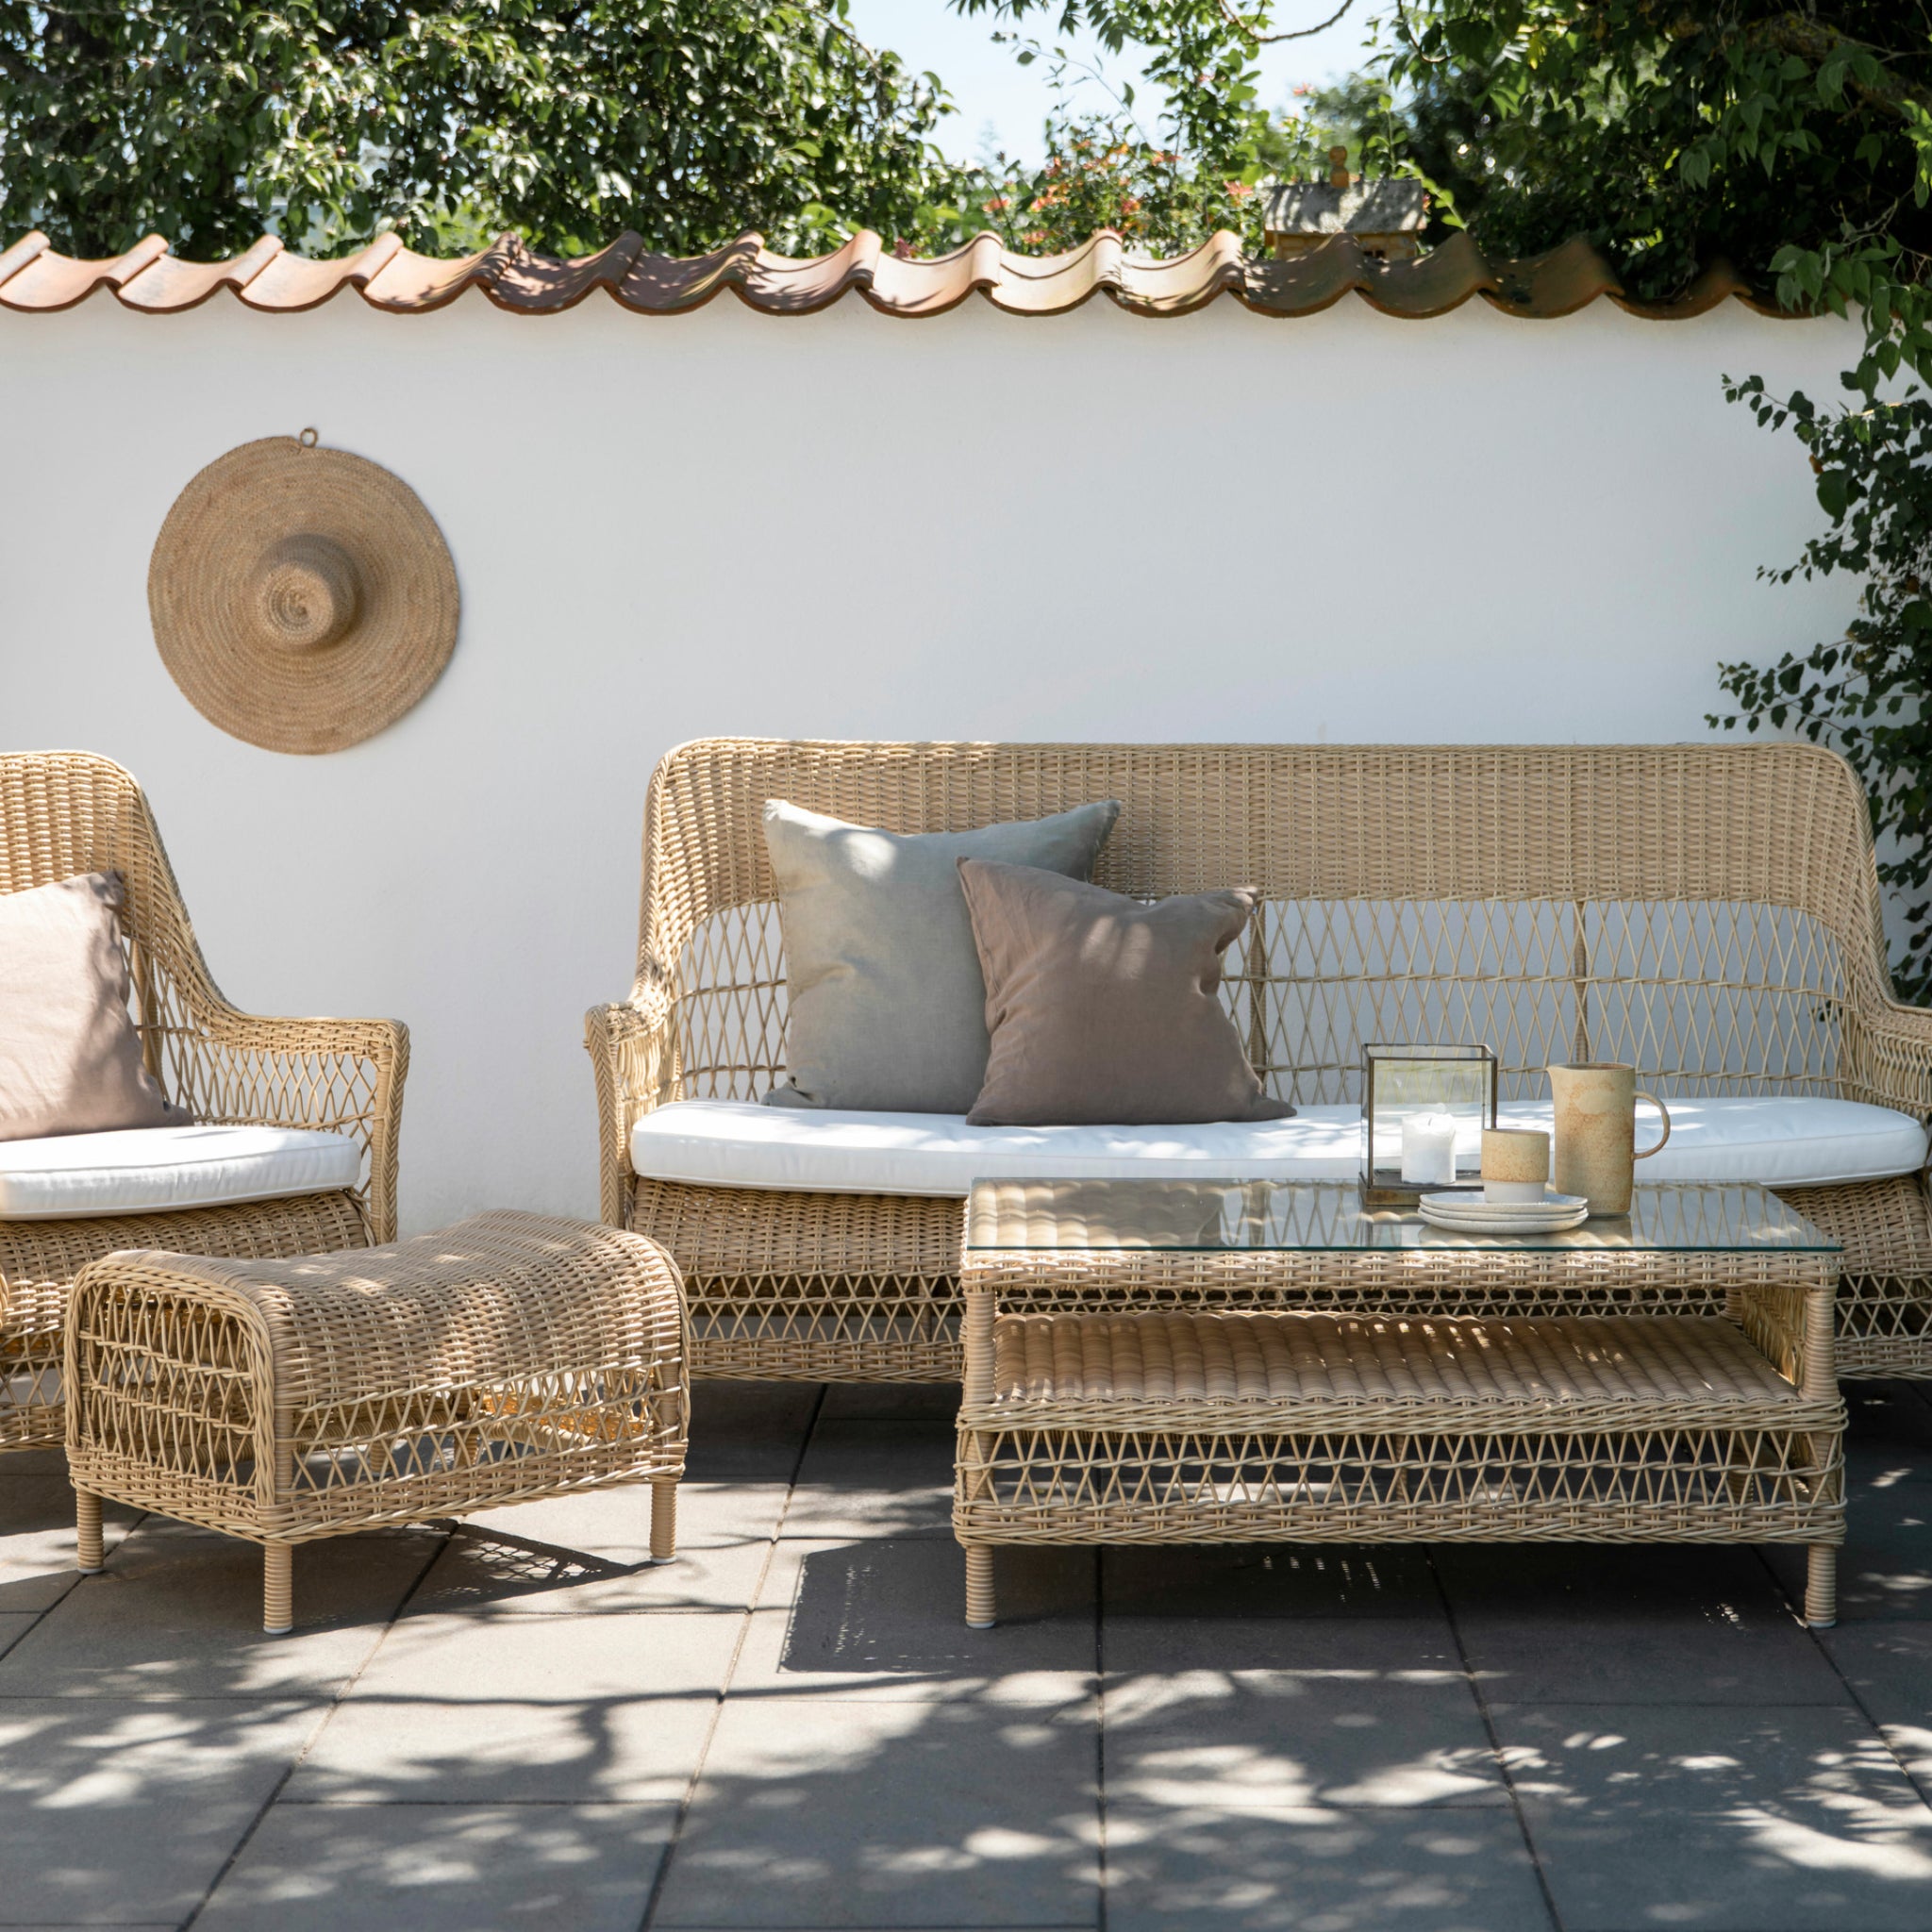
(389, 276)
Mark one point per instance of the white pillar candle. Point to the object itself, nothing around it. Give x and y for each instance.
(1428, 1150)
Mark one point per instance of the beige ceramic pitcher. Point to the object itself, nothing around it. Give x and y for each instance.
(1596, 1132)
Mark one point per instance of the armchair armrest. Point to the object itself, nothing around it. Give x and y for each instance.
(632, 1056)
(1894, 1059)
(344, 1077)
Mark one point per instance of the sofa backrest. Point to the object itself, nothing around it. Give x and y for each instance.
(1709, 913)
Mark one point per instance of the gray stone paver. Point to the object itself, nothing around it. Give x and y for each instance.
(177, 1613)
(1298, 1717)
(37, 1535)
(863, 1479)
(589, 1554)
(1887, 1668)
(115, 1810)
(882, 1619)
(1785, 1816)
(1270, 1580)
(891, 1813)
(445, 1867)
(476, 1709)
(1562, 1623)
(1248, 1870)
(791, 1727)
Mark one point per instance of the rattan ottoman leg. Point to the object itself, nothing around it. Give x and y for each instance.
(979, 1601)
(88, 1556)
(663, 1519)
(1820, 1587)
(277, 1588)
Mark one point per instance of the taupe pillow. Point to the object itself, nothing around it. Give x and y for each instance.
(69, 1058)
(886, 1008)
(1103, 1010)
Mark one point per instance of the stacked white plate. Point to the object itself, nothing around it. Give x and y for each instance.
(1469, 1213)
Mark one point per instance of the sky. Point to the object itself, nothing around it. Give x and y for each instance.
(995, 94)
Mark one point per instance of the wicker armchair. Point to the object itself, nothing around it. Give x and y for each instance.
(67, 812)
(1709, 913)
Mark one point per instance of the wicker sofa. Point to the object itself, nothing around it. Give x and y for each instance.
(62, 813)
(1708, 912)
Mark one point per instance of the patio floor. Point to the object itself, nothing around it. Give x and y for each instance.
(520, 1722)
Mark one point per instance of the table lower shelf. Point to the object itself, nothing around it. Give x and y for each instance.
(1207, 1426)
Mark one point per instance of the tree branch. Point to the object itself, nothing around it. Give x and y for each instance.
(1792, 34)
(1300, 33)
(1415, 46)
(21, 70)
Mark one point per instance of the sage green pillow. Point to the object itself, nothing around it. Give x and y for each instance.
(886, 1008)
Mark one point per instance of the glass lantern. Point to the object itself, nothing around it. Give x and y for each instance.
(1424, 1109)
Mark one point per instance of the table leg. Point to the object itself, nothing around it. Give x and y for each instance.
(977, 1337)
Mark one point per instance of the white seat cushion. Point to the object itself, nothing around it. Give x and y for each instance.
(153, 1169)
(736, 1143)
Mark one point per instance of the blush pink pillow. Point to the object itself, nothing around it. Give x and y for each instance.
(70, 1057)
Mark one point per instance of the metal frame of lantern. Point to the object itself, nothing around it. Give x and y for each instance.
(1383, 1185)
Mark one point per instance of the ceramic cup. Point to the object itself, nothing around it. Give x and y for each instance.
(1596, 1132)
(1516, 1164)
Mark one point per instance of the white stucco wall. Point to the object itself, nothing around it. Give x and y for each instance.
(1093, 525)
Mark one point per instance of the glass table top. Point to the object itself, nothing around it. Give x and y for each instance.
(1213, 1216)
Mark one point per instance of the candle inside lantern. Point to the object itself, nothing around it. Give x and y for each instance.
(1428, 1150)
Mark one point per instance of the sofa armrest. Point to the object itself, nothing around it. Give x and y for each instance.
(630, 1044)
(344, 1077)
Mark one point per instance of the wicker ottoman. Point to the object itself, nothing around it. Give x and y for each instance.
(504, 1358)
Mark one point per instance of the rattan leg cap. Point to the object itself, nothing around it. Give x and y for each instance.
(989, 1624)
(1821, 1622)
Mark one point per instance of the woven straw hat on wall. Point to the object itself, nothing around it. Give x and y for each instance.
(303, 598)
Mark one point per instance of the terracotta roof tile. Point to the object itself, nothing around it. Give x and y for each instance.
(293, 282)
(389, 276)
(166, 284)
(46, 280)
(668, 284)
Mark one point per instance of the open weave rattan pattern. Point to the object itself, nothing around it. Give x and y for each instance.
(63, 814)
(1709, 913)
(508, 1357)
(389, 276)
(1137, 1396)
(303, 598)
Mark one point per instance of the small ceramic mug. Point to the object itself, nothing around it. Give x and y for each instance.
(1516, 1164)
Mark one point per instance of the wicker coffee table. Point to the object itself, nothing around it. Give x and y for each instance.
(1197, 1361)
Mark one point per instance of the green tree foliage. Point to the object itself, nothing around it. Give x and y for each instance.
(1354, 113)
(1790, 143)
(1869, 693)
(1793, 141)
(566, 121)
(1797, 143)
(1100, 172)
(1194, 49)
